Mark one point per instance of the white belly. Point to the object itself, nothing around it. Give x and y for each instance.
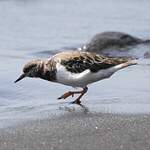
(80, 79)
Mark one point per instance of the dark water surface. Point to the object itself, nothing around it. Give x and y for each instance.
(32, 29)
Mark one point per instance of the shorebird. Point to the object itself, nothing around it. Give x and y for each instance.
(76, 69)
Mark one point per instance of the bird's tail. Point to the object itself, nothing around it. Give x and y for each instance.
(126, 64)
(130, 63)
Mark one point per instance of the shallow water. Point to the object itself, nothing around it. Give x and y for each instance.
(37, 29)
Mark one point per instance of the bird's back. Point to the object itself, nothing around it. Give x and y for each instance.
(77, 61)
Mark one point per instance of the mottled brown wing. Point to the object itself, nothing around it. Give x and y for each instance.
(90, 61)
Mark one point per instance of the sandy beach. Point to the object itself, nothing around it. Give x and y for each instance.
(79, 131)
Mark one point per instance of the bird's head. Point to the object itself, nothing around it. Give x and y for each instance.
(31, 69)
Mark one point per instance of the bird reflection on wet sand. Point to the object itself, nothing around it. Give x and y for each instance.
(70, 108)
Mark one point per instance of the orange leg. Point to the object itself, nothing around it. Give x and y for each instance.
(71, 93)
(78, 101)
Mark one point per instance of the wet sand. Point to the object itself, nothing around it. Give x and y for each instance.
(79, 131)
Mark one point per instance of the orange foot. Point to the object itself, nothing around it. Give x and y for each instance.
(67, 94)
(72, 93)
(77, 101)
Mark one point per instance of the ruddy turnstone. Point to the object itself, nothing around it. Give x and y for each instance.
(76, 69)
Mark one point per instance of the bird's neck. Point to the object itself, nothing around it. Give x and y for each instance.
(47, 71)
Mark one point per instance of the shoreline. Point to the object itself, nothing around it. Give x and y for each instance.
(80, 131)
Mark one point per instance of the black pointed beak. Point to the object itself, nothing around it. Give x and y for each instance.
(20, 78)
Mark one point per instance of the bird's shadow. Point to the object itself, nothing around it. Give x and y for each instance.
(72, 107)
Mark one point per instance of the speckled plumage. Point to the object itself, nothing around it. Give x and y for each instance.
(77, 62)
(76, 69)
